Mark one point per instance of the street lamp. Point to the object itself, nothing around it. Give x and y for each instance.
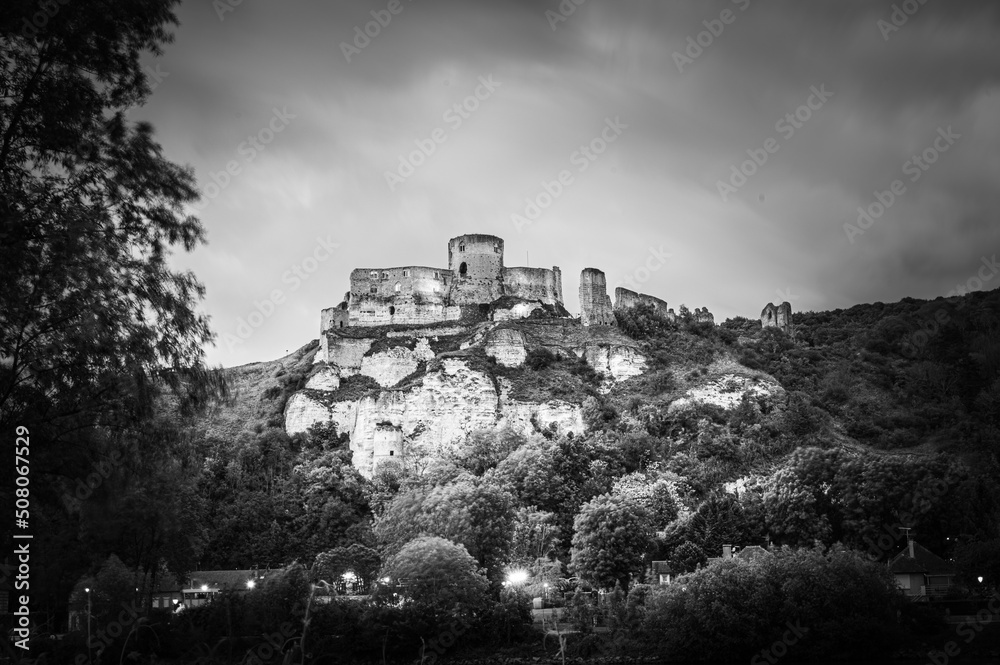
(517, 577)
(545, 591)
(89, 657)
(251, 584)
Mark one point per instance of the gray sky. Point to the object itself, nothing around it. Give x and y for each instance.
(664, 119)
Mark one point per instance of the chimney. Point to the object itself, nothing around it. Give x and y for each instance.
(909, 544)
(727, 551)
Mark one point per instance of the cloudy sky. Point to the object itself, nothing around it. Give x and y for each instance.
(641, 119)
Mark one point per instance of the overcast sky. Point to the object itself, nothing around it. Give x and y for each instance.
(647, 129)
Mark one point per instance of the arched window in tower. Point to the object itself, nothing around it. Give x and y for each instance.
(462, 269)
(397, 287)
(461, 247)
(496, 248)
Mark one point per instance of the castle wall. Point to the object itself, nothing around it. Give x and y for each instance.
(595, 305)
(376, 311)
(334, 317)
(418, 282)
(534, 284)
(626, 298)
(476, 265)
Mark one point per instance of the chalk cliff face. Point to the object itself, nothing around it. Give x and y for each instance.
(454, 400)
(614, 361)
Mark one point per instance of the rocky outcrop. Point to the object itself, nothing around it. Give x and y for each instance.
(392, 365)
(726, 391)
(453, 401)
(614, 361)
(507, 346)
(326, 378)
(702, 315)
(344, 352)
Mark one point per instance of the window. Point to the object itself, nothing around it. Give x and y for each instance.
(391, 453)
(341, 324)
(406, 273)
(374, 289)
(437, 275)
(462, 269)
(385, 275)
(461, 247)
(373, 274)
(397, 287)
(392, 311)
(496, 248)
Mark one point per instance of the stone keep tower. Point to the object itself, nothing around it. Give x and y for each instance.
(476, 264)
(595, 304)
(387, 444)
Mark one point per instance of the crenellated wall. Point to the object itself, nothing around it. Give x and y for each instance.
(626, 298)
(534, 284)
(595, 305)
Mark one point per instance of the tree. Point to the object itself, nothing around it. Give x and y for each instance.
(89, 211)
(612, 535)
(437, 576)
(687, 557)
(95, 326)
(475, 513)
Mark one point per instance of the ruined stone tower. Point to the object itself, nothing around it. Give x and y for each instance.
(778, 317)
(387, 444)
(595, 304)
(476, 265)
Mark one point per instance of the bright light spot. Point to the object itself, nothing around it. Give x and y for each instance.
(204, 587)
(87, 589)
(385, 580)
(349, 576)
(517, 576)
(251, 584)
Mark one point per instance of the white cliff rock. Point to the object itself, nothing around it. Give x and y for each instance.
(327, 378)
(507, 346)
(615, 361)
(389, 367)
(727, 392)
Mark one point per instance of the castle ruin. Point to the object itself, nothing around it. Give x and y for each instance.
(415, 295)
(776, 316)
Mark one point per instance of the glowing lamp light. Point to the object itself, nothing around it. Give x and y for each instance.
(251, 584)
(204, 587)
(516, 577)
(980, 579)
